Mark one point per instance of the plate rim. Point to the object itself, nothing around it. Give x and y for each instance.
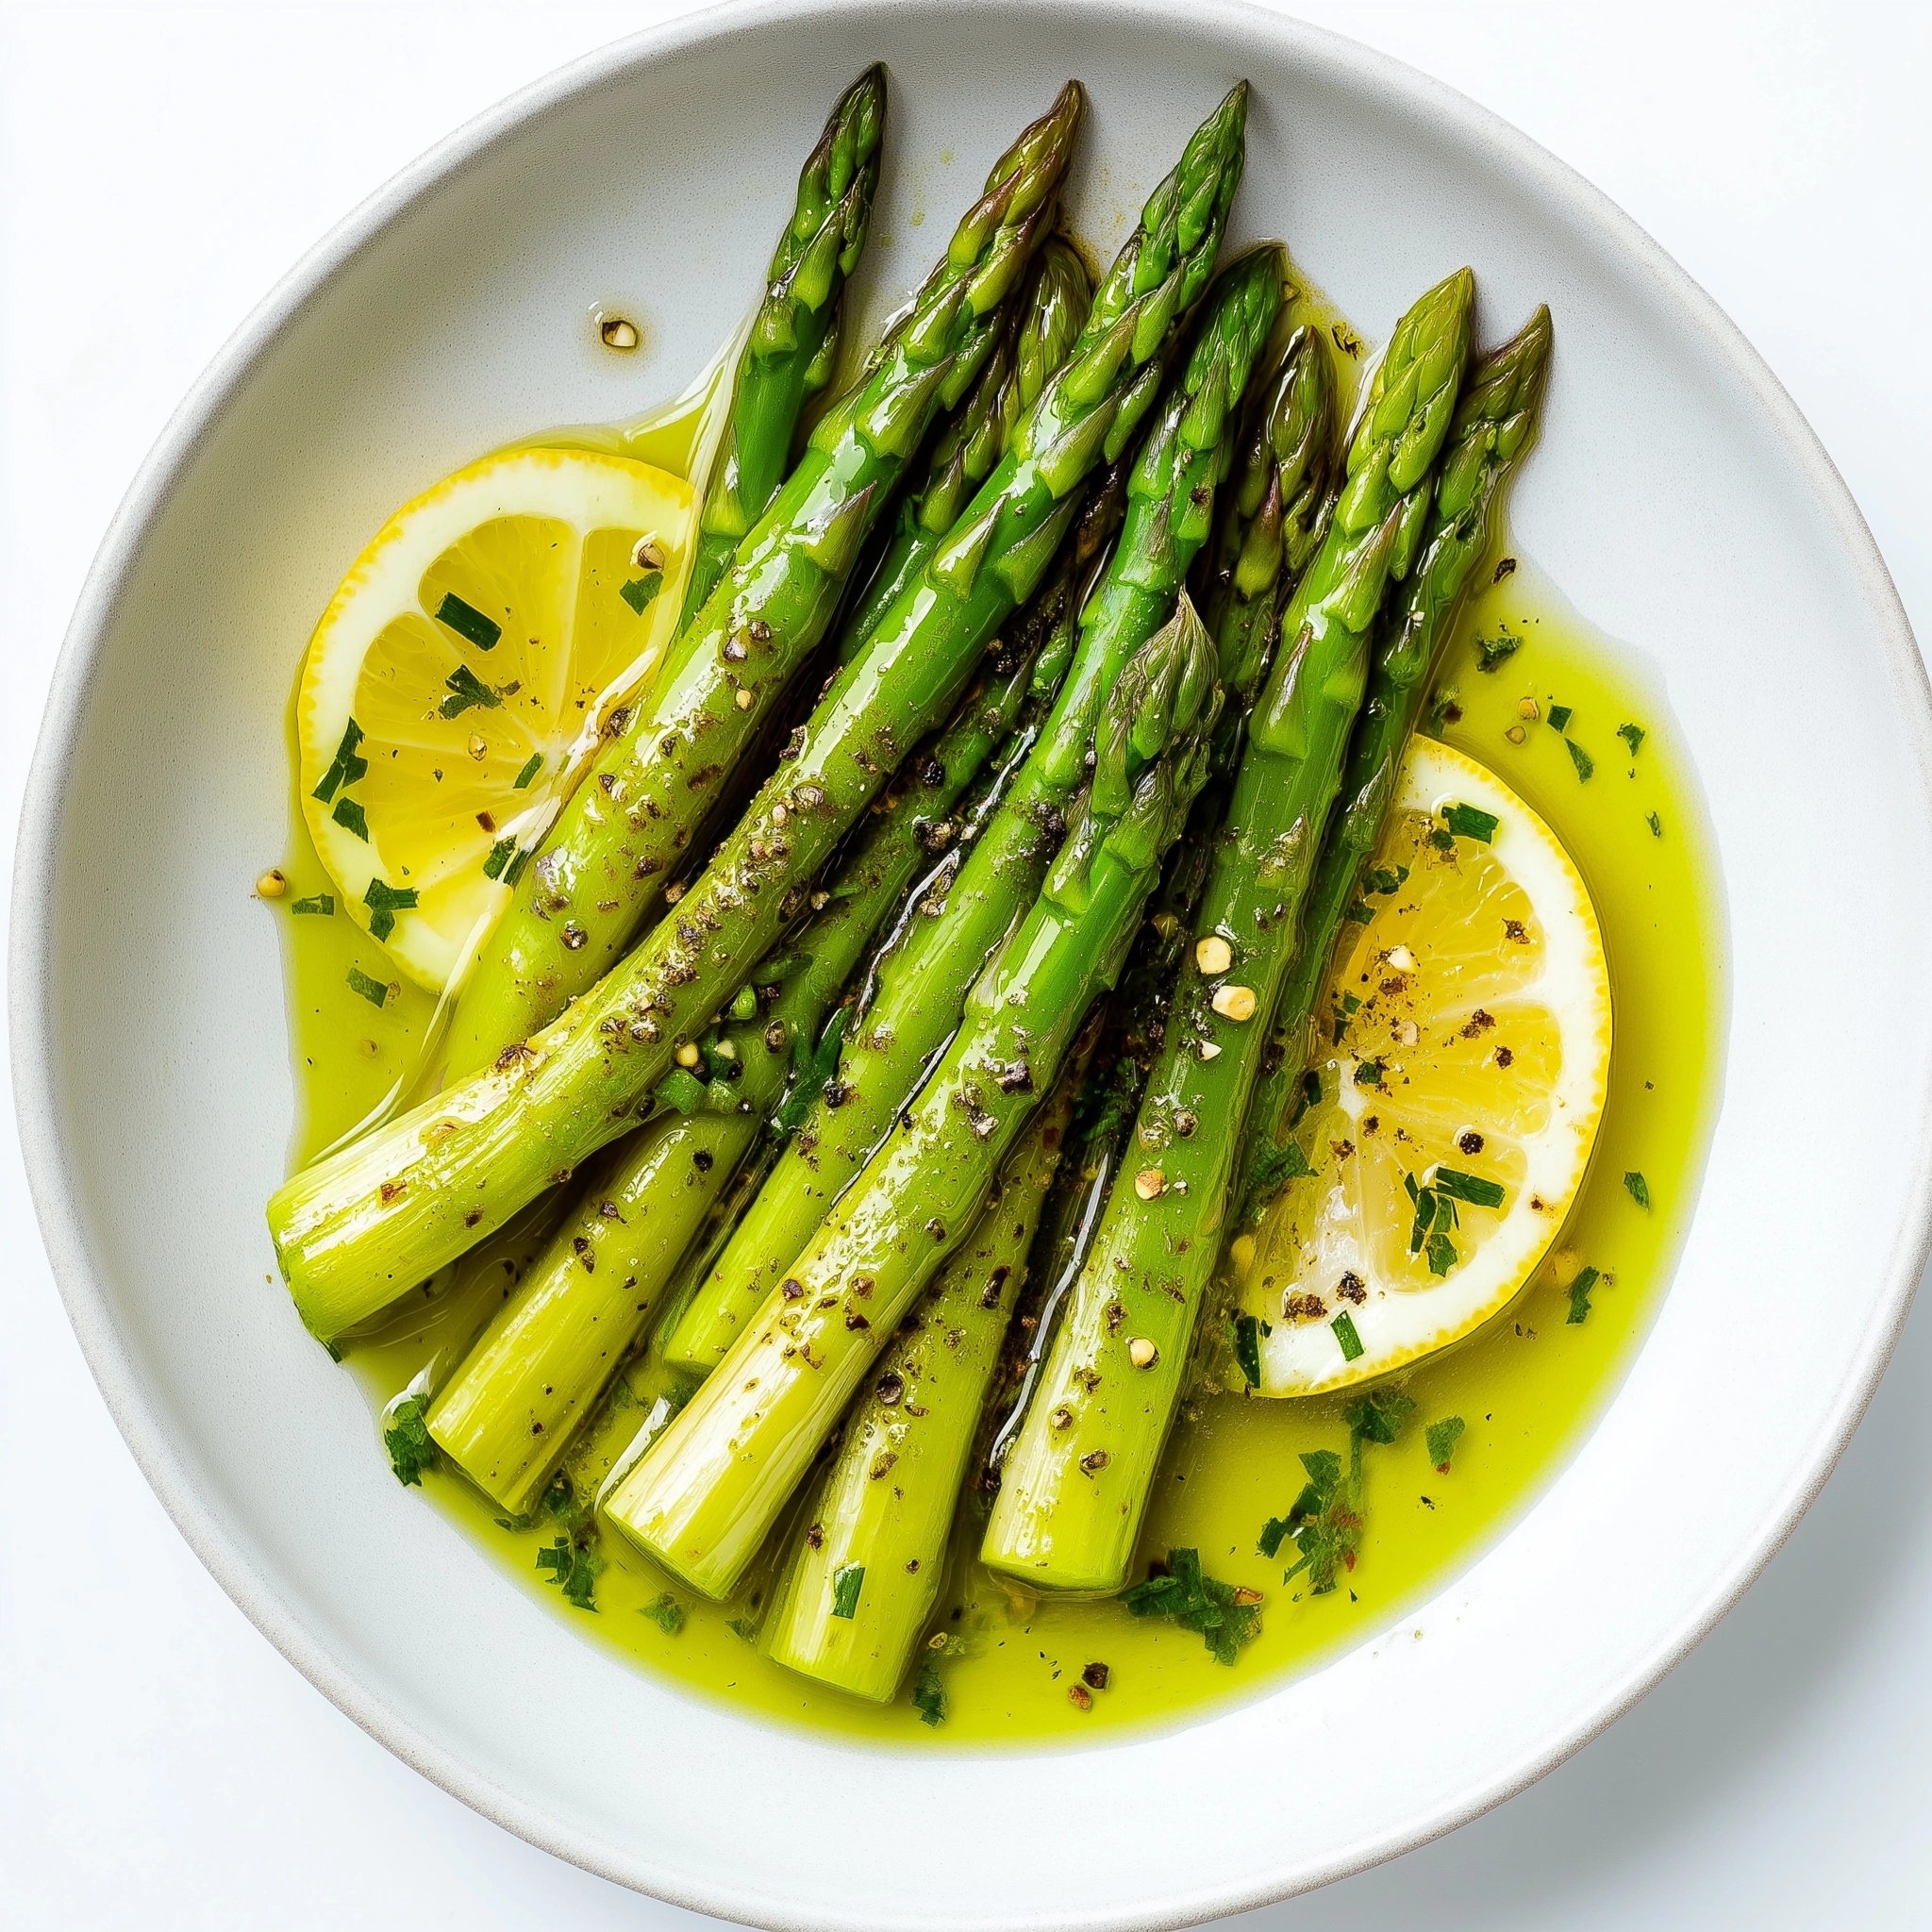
(34, 1079)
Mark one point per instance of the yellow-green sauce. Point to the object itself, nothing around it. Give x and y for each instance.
(1528, 1388)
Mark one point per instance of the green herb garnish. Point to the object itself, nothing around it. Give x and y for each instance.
(1587, 1278)
(639, 591)
(322, 904)
(1226, 1617)
(499, 856)
(373, 991)
(347, 767)
(1248, 1331)
(348, 814)
(811, 1066)
(1368, 1074)
(1655, 824)
(1585, 764)
(1493, 652)
(468, 622)
(848, 1579)
(929, 1694)
(531, 767)
(384, 902)
(1361, 912)
(1384, 879)
(666, 1612)
(1378, 1416)
(1343, 1326)
(1632, 735)
(466, 690)
(1442, 1438)
(742, 1626)
(1468, 1186)
(1469, 822)
(1560, 716)
(406, 1435)
(1637, 1188)
(1351, 1004)
(574, 1568)
(1275, 1167)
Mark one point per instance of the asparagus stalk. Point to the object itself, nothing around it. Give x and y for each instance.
(1495, 425)
(604, 863)
(707, 1494)
(354, 1231)
(922, 985)
(1075, 1486)
(794, 347)
(546, 1359)
(1046, 321)
(866, 1574)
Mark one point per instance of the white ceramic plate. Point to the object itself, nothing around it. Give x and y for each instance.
(1677, 498)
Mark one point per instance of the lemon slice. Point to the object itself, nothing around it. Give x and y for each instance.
(1460, 1104)
(455, 682)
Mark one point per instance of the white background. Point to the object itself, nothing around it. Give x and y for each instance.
(160, 1766)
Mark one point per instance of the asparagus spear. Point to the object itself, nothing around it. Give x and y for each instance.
(1276, 511)
(794, 348)
(1495, 424)
(1046, 321)
(922, 985)
(354, 1231)
(539, 1369)
(1074, 1488)
(605, 861)
(867, 1572)
(705, 1495)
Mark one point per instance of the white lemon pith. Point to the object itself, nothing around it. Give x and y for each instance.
(454, 682)
(1460, 1104)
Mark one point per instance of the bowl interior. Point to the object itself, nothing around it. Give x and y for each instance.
(1676, 497)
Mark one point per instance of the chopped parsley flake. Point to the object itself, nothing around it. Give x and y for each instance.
(347, 767)
(1469, 822)
(1384, 879)
(1350, 1003)
(522, 781)
(499, 856)
(1468, 1186)
(848, 1579)
(1585, 764)
(1343, 1326)
(466, 690)
(1639, 1189)
(639, 591)
(574, 1568)
(1493, 652)
(744, 1627)
(384, 902)
(406, 1435)
(1560, 716)
(1226, 1618)
(468, 622)
(1326, 1522)
(810, 1069)
(1442, 1438)
(1441, 840)
(1655, 824)
(1273, 1167)
(348, 814)
(1361, 912)
(1248, 1331)
(1632, 735)
(373, 991)
(1587, 1278)
(1368, 1074)
(666, 1612)
(322, 905)
(929, 1694)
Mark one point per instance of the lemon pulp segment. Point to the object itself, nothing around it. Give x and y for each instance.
(455, 682)
(1456, 1084)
